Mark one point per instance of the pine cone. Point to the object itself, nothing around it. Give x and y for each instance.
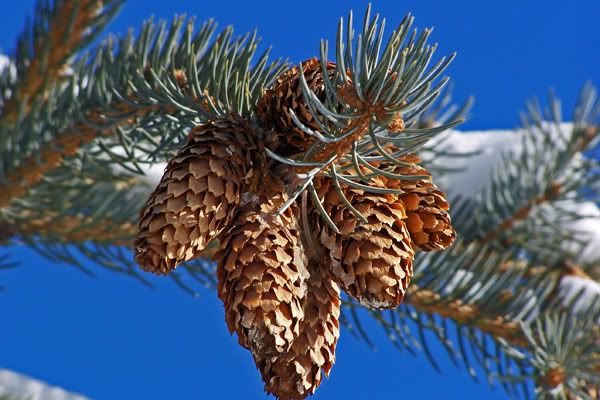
(273, 108)
(426, 207)
(197, 195)
(262, 277)
(298, 373)
(371, 262)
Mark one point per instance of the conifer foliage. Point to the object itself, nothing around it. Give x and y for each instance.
(309, 195)
(235, 181)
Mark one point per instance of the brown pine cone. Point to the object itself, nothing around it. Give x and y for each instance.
(262, 277)
(426, 207)
(285, 94)
(298, 373)
(372, 262)
(197, 195)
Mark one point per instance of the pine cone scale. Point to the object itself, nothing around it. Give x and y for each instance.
(427, 219)
(197, 196)
(298, 372)
(262, 286)
(280, 282)
(373, 263)
(273, 109)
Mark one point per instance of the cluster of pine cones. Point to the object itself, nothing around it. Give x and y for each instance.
(279, 280)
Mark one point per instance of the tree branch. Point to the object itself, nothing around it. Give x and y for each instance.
(462, 313)
(77, 229)
(31, 169)
(553, 192)
(68, 28)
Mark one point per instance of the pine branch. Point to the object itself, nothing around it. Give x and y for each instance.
(140, 97)
(98, 123)
(45, 49)
(73, 229)
(565, 356)
(454, 286)
(499, 327)
(71, 146)
(552, 192)
(519, 180)
(574, 178)
(549, 167)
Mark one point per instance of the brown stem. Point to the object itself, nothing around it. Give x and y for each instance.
(429, 302)
(366, 110)
(553, 191)
(78, 229)
(31, 169)
(51, 53)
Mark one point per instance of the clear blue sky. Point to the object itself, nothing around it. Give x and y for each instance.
(112, 338)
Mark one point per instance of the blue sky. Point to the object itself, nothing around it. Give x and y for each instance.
(109, 337)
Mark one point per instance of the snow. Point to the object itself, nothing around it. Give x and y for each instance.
(14, 384)
(5, 63)
(572, 286)
(587, 228)
(153, 174)
(477, 169)
(475, 177)
(463, 279)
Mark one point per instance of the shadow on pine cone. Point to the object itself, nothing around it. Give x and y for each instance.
(275, 106)
(197, 196)
(371, 261)
(282, 295)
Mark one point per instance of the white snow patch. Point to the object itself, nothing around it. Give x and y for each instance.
(476, 170)
(6, 62)
(153, 173)
(588, 291)
(587, 229)
(14, 384)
